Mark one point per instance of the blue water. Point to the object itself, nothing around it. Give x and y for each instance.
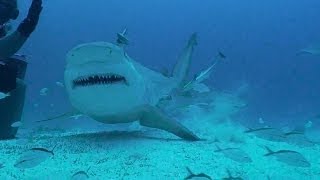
(259, 38)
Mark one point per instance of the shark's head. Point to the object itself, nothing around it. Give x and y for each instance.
(101, 79)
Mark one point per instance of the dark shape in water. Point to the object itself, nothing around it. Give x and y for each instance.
(312, 50)
(251, 130)
(33, 157)
(165, 72)
(317, 116)
(121, 38)
(294, 133)
(268, 133)
(292, 158)
(235, 154)
(299, 139)
(221, 55)
(64, 115)
(80, 175)
(1, 166)
(201, 176)
(230, 177)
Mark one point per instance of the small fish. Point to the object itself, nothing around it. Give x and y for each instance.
(251, 130)
(230, 177)
(205, 74)
(44, 150)
(77, 116)
(267, 133)
(60, 84)
(298, 138)
(221, 55)
(4, 95)
(313, 50)
(292, 158)
(16, 124)
(122, 39)
(201, 88)
(294, 133)
(261, 121)
(80, 175)
(44, 91)
(200, 176)
(199, 78)
(308, 124)
(235, 154)
(33, 157)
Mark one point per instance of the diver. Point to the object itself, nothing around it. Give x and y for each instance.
(13, 67)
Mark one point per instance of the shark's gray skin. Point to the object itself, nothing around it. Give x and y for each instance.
(104, 83)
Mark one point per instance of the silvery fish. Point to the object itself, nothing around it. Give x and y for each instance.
(33, 157)
(292, 158)
(199, 78)
(200, 176)
(235, 154)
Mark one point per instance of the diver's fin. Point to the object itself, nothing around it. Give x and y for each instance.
(181, 68)
(154, 118)
(64, 115)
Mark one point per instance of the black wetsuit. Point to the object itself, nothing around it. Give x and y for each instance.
(12, 72)
(12, 67)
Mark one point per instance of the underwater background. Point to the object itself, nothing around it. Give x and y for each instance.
(260, 39)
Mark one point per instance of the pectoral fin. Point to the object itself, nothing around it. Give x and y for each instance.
(154, 118)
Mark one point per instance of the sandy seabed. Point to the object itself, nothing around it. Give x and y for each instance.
(153, 154)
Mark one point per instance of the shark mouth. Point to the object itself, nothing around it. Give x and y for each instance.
(99, 79)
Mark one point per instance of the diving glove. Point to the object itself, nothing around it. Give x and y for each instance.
(28, 25)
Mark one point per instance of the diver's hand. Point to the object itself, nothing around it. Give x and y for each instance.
(28, 25)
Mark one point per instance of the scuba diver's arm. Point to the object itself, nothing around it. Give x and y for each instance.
(12, 43)
(9, 45)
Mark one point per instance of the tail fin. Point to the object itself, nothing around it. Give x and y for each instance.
(269, 151)
(189, 171)
(229, 174)
(181, 68)
(218, 149)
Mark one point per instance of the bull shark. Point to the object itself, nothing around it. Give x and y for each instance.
(105, 84)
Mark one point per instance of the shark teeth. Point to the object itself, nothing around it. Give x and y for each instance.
(99, 79)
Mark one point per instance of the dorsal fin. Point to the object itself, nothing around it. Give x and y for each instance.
(181, 68)
(218, 148)
(269, 150)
